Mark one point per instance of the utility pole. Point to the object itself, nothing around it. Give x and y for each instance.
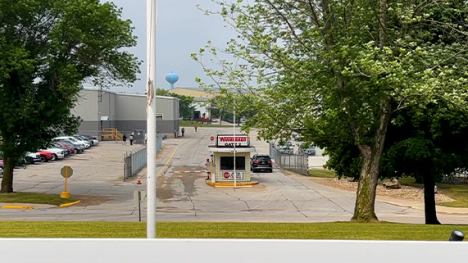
(151, 117)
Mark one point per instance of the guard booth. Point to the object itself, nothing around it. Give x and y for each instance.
(222, 166)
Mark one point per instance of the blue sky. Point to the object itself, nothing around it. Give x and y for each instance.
(182, 29)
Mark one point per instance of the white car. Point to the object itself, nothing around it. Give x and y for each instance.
(58, 153)
(75, 140)
(33, 157)
(93, 140)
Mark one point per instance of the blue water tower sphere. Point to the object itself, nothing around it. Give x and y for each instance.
(172, 78)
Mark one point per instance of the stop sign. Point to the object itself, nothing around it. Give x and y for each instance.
(227, 175)
(212, 138)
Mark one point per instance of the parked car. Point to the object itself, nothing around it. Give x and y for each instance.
(58, 153)
(32, 158)
(93, 139)
(70, 149)
(67, 152)
(310, 151)
(46, 156)
(261, 162)
(78, 147)
(75, 141)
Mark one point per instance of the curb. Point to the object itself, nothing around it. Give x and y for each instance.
(17, 207)
(240, 184)
(69, 204)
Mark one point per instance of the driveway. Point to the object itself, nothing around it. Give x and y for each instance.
(183, 195)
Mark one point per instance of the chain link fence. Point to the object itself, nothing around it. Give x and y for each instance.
(136, 160)
(289, 161)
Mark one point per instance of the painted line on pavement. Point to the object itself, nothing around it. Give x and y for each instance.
(168, 160)
(69, 204)
(190, 171)
(17, 207)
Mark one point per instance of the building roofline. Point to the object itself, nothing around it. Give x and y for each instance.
(129, 94)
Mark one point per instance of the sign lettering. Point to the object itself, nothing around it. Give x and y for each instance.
(231, 141)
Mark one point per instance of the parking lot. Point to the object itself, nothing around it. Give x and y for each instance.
(183, 195)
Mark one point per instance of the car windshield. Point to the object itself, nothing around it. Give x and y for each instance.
(66, 142)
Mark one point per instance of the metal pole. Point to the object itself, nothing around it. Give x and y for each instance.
(151, 117)
(235, 175)
(139, 206)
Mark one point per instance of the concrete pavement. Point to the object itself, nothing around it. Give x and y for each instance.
(280, 197)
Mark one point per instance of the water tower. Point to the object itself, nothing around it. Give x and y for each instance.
(172, 78)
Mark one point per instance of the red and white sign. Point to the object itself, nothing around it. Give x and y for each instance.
(230, 140)
(212, 138)
(230, 175)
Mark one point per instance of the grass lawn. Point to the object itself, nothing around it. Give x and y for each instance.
(345, 230)
(457, 192)
(198, 124)
(34, 198)
(322, 173)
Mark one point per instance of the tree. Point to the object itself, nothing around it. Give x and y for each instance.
(348, 67)
(186, 107)
(430, 144)
(48, 48)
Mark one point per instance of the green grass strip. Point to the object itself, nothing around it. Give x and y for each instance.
(342, 230)
(34, 198)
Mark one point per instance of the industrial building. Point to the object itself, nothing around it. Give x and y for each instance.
(201, 100)
(103, 110)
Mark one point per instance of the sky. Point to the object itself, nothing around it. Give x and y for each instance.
(182, 29)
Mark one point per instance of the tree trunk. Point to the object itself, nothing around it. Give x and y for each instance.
(364, 210)
(7, 181)
(429, 200)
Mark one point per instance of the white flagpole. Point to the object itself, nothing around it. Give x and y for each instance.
(151, 118)
(235, 175)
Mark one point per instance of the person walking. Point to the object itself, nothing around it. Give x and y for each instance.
(132, 138)
(124, 139)
(208, 169)
(183, 132)
(196, 128)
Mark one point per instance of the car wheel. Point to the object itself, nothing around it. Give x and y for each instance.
(43, 159)
(54, 157)
(29, 160)
(270, 171)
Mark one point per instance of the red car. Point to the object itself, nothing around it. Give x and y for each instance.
(45, 156)
(61, 145)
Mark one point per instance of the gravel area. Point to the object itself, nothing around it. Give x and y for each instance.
(405, 192)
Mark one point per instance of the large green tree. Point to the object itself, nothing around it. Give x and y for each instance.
(48, 48)
(347, 67)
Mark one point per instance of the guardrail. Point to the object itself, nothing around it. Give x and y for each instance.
(136, 160)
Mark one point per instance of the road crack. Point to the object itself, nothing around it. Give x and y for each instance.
(297, 208)
(193, 205)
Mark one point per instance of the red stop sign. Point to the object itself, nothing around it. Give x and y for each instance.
(212, 138)
(227, 175)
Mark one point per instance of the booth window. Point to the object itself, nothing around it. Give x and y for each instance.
(227, 163)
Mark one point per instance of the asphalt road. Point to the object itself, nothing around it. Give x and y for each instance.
(184, 196)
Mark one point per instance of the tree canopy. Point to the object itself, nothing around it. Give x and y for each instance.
(48, 48)
(345, 69)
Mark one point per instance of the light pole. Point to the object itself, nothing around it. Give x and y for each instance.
(235, 175)
(151, 118)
